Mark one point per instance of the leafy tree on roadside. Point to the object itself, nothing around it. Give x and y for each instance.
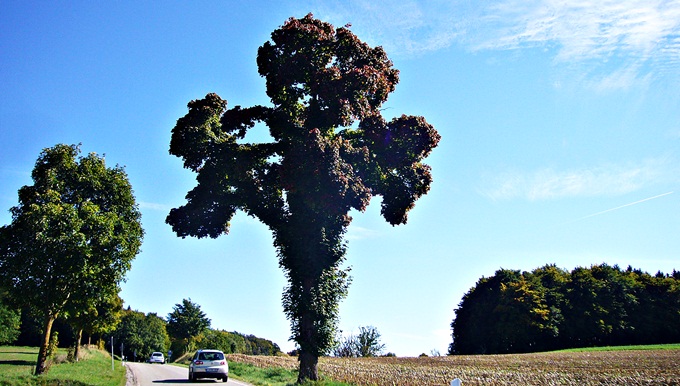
(97, 315)
(141, 334)
(187, 321)
(318, 166)
(73, 235)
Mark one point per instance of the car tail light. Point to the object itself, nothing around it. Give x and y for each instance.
(222, 363)
(199, 362)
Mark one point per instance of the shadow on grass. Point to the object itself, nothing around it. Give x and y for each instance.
(18, 363)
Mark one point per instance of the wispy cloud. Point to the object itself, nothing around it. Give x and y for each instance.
(403, 27)
(620, 42)
(616, 42)
(360, 233)
(548, 183)
(154, 206)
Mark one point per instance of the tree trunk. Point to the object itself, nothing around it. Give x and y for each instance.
(308, 358)
(308, 367)
(41, 366)
(76, 350)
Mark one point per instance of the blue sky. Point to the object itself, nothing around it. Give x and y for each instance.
(560, 127)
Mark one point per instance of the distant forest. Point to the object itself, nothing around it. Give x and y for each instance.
(550, 308)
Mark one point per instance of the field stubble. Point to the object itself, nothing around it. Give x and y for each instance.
(649, 367)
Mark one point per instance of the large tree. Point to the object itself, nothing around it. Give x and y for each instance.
(330, 151)
(186, 321)
(141, 334)
(73, 235)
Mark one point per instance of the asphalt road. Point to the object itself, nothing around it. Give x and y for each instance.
(146, 374)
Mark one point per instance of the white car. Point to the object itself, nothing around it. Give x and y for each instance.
(209, 364)
(157, 357)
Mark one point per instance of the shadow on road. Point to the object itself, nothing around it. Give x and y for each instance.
(185, 381)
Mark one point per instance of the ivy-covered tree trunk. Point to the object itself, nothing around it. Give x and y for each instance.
(308, 359)
(42, 364)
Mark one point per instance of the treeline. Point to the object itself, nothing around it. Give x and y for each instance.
(141, 334)
(551, 308)
(135, 333)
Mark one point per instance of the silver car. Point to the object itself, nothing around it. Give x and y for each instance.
(209, 364)
(157, 357)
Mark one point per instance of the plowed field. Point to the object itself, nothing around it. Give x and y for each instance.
(643, 367)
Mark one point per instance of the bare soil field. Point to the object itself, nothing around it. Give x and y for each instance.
(641, 367)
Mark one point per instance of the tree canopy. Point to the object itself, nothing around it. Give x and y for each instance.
(73, 235)
(187, 320)
(330, 151)
(550, 308)
(141, 334)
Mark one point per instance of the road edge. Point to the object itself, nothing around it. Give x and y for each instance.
(130, 376)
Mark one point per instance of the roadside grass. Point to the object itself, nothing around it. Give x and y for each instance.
(17, 365)
(272, 376)
(674, 346)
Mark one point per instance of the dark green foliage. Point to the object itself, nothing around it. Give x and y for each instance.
(141, 334)
(550, 308)
(10, 321)
(187, 320)
(318, 167)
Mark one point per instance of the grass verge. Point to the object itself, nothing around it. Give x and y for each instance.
(272, 376)
(17, 365)
(675, 346)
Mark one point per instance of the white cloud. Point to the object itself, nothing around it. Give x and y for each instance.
(360, 233)
(403, 27)
(619, 43)
(154, 206)
(548, 183)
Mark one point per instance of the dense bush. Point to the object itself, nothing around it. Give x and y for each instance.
(550, 308)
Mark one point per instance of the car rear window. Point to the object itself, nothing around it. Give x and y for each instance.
(157, 354)
(211, 356)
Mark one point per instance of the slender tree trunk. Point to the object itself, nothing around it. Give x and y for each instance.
(76, 350)
(41, 366)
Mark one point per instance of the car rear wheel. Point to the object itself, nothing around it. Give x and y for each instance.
(225, 379)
